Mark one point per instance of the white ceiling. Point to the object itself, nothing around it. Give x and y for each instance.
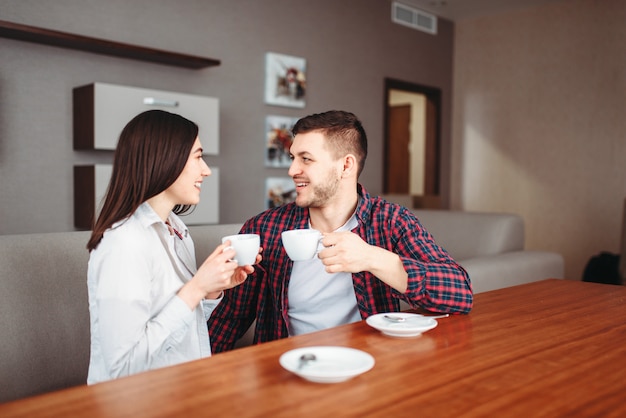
(461, 9)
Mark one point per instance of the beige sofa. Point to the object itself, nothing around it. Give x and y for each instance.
(44, 312)
(44, 316)
(490, 246)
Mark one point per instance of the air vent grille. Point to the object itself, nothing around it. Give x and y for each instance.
(413, 18)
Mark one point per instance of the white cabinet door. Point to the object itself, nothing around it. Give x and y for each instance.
(91, 183)
(102, 110)
(205, 212)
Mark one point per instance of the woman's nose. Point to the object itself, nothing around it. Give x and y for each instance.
(207, 170)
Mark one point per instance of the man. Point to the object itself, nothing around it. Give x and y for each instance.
(373, 253)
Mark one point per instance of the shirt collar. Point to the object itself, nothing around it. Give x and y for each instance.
(364, 206)
(146, 215)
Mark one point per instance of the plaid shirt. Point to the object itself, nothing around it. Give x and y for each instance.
(435, 281)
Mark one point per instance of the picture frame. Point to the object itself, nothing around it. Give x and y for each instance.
(285, 80)
(279, 191)
(278, 140)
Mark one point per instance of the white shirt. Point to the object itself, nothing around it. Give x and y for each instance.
(138, 322)
(320, 300)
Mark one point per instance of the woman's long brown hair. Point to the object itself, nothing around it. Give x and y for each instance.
(152, 151)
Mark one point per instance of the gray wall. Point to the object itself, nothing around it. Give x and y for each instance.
(540, 123)
(350, 47)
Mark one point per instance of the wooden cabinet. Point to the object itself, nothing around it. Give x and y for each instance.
(102, 110)
(91, 182)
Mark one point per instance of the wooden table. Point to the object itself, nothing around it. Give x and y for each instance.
(550, 348)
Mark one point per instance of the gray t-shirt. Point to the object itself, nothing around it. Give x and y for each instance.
(320, 300)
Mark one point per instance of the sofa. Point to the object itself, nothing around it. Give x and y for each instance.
(490, 247)
(44, 310)
(44, 315)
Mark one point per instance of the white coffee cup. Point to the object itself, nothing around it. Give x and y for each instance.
(246, 247)
(301, 244)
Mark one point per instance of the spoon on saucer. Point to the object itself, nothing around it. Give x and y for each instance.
(403, 319)
(305, 358)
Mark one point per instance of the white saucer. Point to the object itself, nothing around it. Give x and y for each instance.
(331, 364)
(413, 325)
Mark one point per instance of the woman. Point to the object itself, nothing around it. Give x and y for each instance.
(147, 301)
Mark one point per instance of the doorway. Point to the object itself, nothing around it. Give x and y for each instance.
(412, 142)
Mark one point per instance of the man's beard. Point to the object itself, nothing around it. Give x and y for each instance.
(321, 193)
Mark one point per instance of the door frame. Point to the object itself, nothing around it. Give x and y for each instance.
(433, 162)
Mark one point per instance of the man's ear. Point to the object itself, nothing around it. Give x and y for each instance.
(350, 165)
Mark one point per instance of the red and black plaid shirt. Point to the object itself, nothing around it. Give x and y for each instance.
(436, 282)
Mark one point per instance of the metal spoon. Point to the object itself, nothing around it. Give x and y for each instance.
(305, 358)
(403, 319)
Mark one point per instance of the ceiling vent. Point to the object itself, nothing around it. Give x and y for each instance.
(413, 18)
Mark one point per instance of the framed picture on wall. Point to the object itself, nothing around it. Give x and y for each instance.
(278, 191)
(278, 140)
(285, 80)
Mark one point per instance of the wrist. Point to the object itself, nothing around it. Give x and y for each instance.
(215, 295)
(191, 294)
